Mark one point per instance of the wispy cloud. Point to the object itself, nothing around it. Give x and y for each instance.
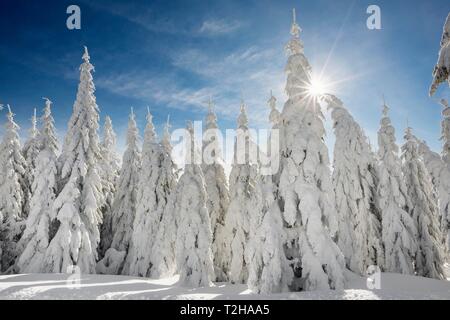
(150, 19)
(213, 27)
(251, 73)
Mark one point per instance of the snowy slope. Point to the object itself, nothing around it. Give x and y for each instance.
(54, 286)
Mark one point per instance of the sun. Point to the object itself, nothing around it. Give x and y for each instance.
(317, 87)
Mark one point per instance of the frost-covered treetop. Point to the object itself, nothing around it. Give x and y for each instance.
(190, 130)
(33, 130)
(386, 138)
(11, 126)
(149, 133)
(411, 145)
(191, 152)
(295, 46)
(446, 131)
(47, 134)
(166, 137)
(132, 133)
(211, 118)
(242, 119)
(274, 115)
(84, 119)
(86, 56)
(385, 110)
(109, 137)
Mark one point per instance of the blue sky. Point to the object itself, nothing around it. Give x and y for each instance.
(172, 55)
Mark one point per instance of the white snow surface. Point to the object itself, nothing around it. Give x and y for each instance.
(105, 287)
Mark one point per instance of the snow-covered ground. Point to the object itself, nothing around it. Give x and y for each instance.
(59, 286)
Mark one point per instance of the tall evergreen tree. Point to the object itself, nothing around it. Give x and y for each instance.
(162, 258)
(79, 201)
(399, 232)
(156, 181)
(125, 202)
(245, 203)
(269, 270)
(216, 189)
(30, 152)
(147, 218)
(305, 190)
(12, 174)
(36, 236)
(194, 237)
(355, 187)
(424, 210)
(444, 195)
(440, 178)
(110, 165)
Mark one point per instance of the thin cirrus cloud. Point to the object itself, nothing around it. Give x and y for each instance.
(150, 19)
(248, 73)
(214, 27)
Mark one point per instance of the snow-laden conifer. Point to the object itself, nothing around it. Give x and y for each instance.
(269, 270)
(124, 205)
(155, 184)
(444, 194)
(79, 200)
(163, 247)
(12, 173)
(36, 236)
(355, 187)
(110, 166)
(30, 151)
(305, 189)
(429, 258)
(194, 238)
(245, 203)
(399, 232)
(216, 189)
(440, 177)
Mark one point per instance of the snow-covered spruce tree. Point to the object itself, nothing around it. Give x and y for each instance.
(36, 236)
(156, 181)
(354, 182)
(147, 219)
(245, 203)
(399, 232)
(440, 177)
(30, 151)
(441, 72)
(194, 238)
(124, 205)
(444, 194)
(305, 189)
(12, 172)
(216, 189)
(269, 270)
(162, 259)
(110, 166)
(429, 258)
(79, 200)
